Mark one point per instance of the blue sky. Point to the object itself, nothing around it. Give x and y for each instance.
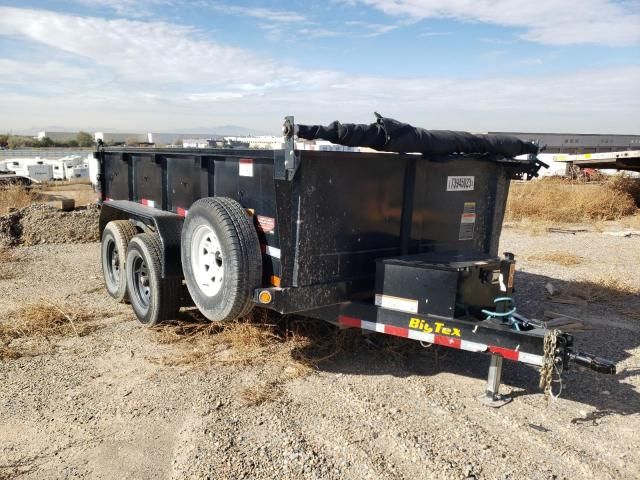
(549, 65)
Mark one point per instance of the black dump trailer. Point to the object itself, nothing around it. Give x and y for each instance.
(403, 244)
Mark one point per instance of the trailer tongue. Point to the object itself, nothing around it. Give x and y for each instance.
(395, 243)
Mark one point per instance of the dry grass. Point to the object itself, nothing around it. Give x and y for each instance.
(566, 201)
(260, 394)
(14, 196)
(566, 259)
(604, 290)
(626, 184)
(241, 342)
(262, 340)
(7, 255)
(6, 274)
(40, 321)
(281, 347)
(274, 348)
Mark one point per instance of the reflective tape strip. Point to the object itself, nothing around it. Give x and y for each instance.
(271, 251)
(473, 346)
(373, 326)
(443, 340)
(181, 211)
(148, 203)
(530, 358)
(421, 336)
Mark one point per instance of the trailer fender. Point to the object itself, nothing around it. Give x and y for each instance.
(166, 225)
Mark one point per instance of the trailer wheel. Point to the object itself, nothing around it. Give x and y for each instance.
(221, 258)
(154, 299)
(115, 238)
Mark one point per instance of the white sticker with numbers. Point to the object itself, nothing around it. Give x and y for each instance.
(460, 184)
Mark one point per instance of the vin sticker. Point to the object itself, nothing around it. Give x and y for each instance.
(467, 221)
(460, 184)
(245, 166)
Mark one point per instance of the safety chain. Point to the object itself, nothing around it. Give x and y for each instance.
(548, 362)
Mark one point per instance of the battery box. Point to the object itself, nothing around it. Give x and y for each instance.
(442, 284)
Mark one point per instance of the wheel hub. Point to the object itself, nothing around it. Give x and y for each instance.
(207, 260)
(113, 259)
(141, 282)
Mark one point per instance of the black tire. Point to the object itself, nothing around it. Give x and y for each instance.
(154, 299)
(115, 239)
(237, 253)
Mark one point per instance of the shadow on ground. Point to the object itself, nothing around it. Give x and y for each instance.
(614, 334)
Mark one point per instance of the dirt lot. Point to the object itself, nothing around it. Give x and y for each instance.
(119, 401)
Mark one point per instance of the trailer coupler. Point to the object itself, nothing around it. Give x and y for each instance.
(597, 364)
(564, 355)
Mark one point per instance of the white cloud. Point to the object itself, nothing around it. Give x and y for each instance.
(279, 16)
(158, 76)
(553, 22)
(130, 8)
(46, 74)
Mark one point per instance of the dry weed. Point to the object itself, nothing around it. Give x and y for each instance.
(14, 196)
(603, 290)
(259, 394)
(6, 274)
(42, 320)
(566, 201)
(235, 342)
(566, 259)
(626, 184)
(7, 255)
(289, 346)
(10, 353)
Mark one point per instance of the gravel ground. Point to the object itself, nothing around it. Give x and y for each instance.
(102, 406)
(38, 224)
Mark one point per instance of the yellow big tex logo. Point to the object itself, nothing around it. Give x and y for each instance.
(438, 327)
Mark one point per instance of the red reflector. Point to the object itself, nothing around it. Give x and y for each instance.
(349, 321)
(447, 341)
(397, 331)
(507, 353)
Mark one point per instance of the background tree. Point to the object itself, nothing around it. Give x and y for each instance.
(85, 139)
(17, 141)
(46, 142)
(4, 140)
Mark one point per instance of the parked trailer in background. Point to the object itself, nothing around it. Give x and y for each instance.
(400, 244)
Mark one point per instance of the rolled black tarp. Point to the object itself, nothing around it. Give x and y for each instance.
(389, 135)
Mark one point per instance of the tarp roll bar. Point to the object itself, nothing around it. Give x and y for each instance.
(389, 135)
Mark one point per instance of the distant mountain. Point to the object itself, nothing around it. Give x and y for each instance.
(230, 130)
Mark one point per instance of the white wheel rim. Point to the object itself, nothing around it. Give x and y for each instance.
(207, 260)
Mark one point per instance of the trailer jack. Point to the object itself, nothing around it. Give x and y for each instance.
(492, 397)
